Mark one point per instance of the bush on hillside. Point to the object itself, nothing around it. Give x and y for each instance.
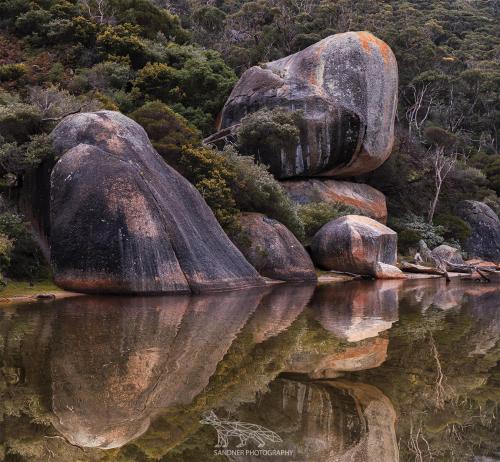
(270, 130)
(167, 130)
(256, 190)
(26, 259)
(454, 227)
(412, 226)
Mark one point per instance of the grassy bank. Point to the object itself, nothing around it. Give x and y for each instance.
(15, 289)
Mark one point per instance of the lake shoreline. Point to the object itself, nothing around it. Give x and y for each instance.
(48, 291)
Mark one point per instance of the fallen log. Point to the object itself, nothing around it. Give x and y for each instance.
(413, 268)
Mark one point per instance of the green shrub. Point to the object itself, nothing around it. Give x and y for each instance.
(123, 40)
(11, 72)
(151, 18)
(26, 259)
(212, 176)
(194, 82)
(454, 227)
(316, 214)
(18, 121)
(107, 75)
(416, 225)
(269, 131)
(408, 239)
(167, 130)
(158, 81)
(17, 158)
(6, 246)
(231, 183)
(256, 190)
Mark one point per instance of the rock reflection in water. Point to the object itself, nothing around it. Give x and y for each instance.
(357, 310)
(119, 359)
(355, 313)
(327, 421)
(128, 379)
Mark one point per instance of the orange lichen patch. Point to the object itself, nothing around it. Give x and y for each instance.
(366, 39)
(313, 78)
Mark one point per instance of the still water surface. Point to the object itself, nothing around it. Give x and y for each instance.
(360, 371)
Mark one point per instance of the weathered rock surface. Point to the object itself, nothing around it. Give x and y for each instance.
(354, 244)
(123, 221)
(384, 271)
(346, 85)
(484, 241)
(448, 253)
(273, 250)
(366, 199)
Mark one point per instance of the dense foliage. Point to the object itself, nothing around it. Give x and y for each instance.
(172, 65)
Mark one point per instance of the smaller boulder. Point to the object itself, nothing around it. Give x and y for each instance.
(273, 250)
(484, 241)
(384, 271)
(448, 254)
(354, 244)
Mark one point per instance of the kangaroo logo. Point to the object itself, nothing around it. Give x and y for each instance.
(242, 430)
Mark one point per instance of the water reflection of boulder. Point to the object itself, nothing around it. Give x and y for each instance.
(482, 306)
(115, 362)
(439, 294)
(357, 310)
(327, 421)
(354, 312)
(278, 309)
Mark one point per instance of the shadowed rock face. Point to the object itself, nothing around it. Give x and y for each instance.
(274, 251)
(361, 196)
(346, 85)
(123, 221)
(354, 244)
(484, 241)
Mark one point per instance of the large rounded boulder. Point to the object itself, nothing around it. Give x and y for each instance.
(484, 241)
(273, 250)
(346, 86)
(362, 197)
(354, 244)
(123, 221)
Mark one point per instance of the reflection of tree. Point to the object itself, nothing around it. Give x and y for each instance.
(445, 397)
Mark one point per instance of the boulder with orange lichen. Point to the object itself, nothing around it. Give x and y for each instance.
(123, 221)
(363, 197)
(354, 244)
(346, 86)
